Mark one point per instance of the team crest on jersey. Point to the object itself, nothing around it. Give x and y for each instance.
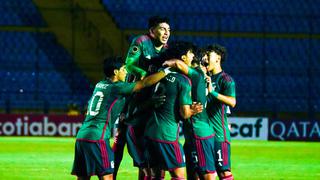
(135, 49)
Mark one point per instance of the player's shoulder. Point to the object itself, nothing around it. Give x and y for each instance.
(226, 77)
(182, 78)
(103, 84)
(121, 84)
(141, 39)
(197, 71)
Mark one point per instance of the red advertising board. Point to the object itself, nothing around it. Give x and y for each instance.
(39, 125)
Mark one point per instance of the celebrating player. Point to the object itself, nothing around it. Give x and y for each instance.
(199, 140)
(93, 155)
(222, 93)
(162, 129)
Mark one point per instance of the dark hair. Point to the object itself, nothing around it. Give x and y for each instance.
(175, 51)
(155, 20)
(178, 48)
(220, 50)
(110, 64)
(198, 56)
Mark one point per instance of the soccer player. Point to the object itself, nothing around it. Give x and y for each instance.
(199, 134)
(138, 61)
(148, 46)
(93, 155)
(222, 93)
(162, 130)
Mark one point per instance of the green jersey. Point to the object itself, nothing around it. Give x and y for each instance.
(163, 124)
(198, 126)
(225, 85)
(104, 107)
(140, 53)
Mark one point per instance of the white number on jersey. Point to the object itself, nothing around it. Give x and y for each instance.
(94, 111)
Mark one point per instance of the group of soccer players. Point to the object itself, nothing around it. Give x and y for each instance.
(165, 85)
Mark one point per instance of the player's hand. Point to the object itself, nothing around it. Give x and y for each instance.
(122, 117)
(209, 84)
(196, 107)
(208, 79)
(158, 100)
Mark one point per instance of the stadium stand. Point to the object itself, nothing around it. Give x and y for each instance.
(229, 15)
(268, 71)
(19, 13)
(36, 69)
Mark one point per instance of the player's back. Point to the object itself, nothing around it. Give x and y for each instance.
(104, 105)
(164, 121)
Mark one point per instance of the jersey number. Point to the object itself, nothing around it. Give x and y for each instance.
(219, 155)
(159, 89)
(95, 103)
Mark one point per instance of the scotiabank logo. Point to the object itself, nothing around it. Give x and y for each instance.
(249, 128)
(39, 125)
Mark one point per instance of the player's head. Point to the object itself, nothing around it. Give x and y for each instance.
(159, 29)
(177, 50)
(200, 57)
(114, 68)
(216, 55)
(182, 50)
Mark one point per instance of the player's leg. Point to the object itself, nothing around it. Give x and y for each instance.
(106, 177)
(205, 149)
(156, 174)
(79, 164)
(118, 146)
(191, 160)
(136, 147)
(209, 176)
(93, 158)
(226, 175)
(223, 161)
(178, 173)
(152, 160)
(144, 174)
(175, 160)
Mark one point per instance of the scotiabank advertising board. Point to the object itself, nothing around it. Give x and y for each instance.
(39, 125)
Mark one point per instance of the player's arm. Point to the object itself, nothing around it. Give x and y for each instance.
(132, 68)
(176, 63)
(132, 59)
(228, 97)
(186, 111)
(228, 100)
(187, 108)
(150, 80)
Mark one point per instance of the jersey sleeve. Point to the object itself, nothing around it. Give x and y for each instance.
(229, 88)
(192, 73)
(133, 56)
(185, 93)
(124, 88)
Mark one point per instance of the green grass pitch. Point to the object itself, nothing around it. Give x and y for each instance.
(38, 158)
